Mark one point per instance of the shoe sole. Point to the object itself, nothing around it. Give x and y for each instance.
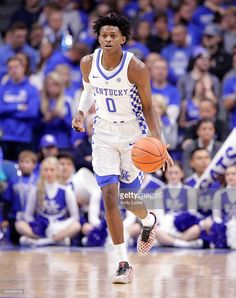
(122, 279)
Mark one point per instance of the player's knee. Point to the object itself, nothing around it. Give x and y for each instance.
(110, 197)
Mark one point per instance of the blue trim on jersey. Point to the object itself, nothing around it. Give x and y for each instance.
(119, 70)
(105, 180)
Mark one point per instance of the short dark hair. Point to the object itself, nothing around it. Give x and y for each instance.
(214, 104)
(66, 155)
(160, 16)
(204, 120)
(18, 26)
(196, 150)
(116, 20)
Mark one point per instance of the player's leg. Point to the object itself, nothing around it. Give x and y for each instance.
(109, 187)
(106, 165)
(130, 183)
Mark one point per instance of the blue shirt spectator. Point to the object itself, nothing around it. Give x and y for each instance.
(18, 44)
(178, 53)
(19, 106)
(56, 112)
(72, 59)
(229, 97)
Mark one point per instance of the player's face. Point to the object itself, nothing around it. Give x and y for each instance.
(110, 38)
(230, 176)
(174, 175)
(200, 161)
(49, 173)
(66, 168)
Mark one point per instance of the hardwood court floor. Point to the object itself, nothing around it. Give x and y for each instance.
(164, 273)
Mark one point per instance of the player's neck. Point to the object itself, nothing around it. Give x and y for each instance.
(111, 61)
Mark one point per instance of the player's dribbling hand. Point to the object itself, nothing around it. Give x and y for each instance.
(169, 161)
(77, 122)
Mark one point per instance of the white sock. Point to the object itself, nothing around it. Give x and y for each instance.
(149, 220)
(121, 253)
(181, 243)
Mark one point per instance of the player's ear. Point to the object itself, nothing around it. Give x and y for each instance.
(123, 40)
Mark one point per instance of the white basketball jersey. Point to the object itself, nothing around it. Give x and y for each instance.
(117, 100)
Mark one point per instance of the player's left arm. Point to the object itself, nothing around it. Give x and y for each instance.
(139, 75)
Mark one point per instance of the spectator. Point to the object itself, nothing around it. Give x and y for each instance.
(222, 226)
(229, 99)
(139, 49)
(208, 109)
(219, 230)
(87, 192)
(199, 161)
(178, 53)
(47, 147)
(19, 106)
(36, 36)
(212, 41)
(228, 24)
(176, 200)
(23, 58)
(16, 195)
(52, 214)
(200, 71)
(151, 59)
(83, 149)
(18, 37)
(55, 29)
(142, 32)
(87, 36)
(232, 71)
(28, 13)
(190, 107)
(72, 93)
(164, 6)
(71, 18)
(56, 113)
(160, 38)
(161, 86)
(207, 13)
(183, 15)
(45, 52)
(169, 129)
(206, 133)
(72, 58)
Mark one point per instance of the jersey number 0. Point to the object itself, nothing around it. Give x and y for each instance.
(111, 105)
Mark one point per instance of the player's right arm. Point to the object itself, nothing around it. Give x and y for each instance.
(86, 99)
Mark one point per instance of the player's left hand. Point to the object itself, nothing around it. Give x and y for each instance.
(77, 123)
(169, 161)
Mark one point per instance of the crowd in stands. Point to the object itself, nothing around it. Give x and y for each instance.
(48, 192)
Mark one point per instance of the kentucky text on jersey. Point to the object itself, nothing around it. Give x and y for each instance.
(110, 92)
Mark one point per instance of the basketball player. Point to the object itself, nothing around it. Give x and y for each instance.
(120, 85)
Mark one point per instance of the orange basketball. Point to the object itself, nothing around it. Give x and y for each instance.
(148, 154)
